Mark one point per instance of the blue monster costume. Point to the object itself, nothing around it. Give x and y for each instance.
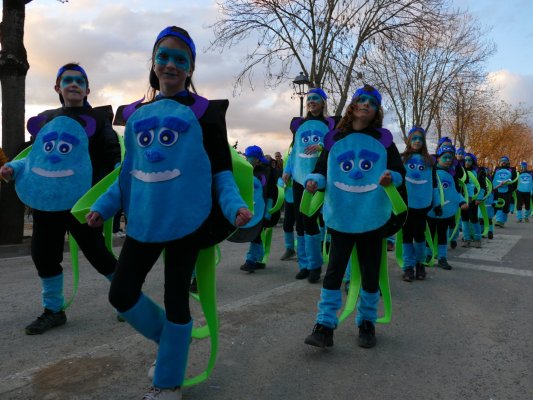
(57, 171)
(476, 189)
(419, 182)
(506, 177)
(307, 131)
(523, 193)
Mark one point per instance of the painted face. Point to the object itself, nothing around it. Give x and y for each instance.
(371, 100)
(468, 161)
(165, 159)
(353, 194)
(417, 141)
(445, 160)
(73, 88)
(58, 169)
(365, 109)
(172, 65)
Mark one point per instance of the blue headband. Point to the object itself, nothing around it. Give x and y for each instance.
(504, 158)
(320, 92)
(72, 68)
(444, 139)
(171, 31)
(523, 164)
(445, 149)
(472, 156)
(256, 152)
(417, 129)
(460, 151)
(373, 92)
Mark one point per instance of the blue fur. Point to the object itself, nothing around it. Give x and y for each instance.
(409, 259)
(354, 200)
(146, 317)
(420, 251)
(367, 307)
(466, 230)
(255, 253)
(161, 203)
(313, 251)
(318, 178)
(452, 199)
(309, 133)
(525, 183)
(418, 181)
(34, 185)
(501, 175)
(442, 251)
(330, 302)
(52, 292)
(301, 251)
(477, 231)
(172, 355)
(289, 240)
(227, 194)
(259, 204)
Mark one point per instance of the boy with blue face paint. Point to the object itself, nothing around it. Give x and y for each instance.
(52, 194)
(523, 193)
(309, 133)
(503, 184)
(359, 158)
(442, 217)
(177, 189)
(420, 182)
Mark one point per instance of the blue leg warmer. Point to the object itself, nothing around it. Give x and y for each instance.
(302, 254)
(442, 250)
(172, 355)
(52, 293)
(420, 251)
(330, 302)
(527, 213)
(477, 231)
(367, 307)
(504, 217)
(409, 259)
(255, 252)
(289, 240)
(499, 216)
(146, 317)
(313, 249)
(466, 230)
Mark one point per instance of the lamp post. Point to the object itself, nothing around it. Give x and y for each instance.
(299, 84)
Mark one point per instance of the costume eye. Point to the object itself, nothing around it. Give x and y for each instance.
(64, 147)
(145, 138)
(315, 139)
(49, 146)
(445, 185)
(411, 166)
(305, 139)
(365, 165)
(421, 168)
(167, 137)
(347, 166)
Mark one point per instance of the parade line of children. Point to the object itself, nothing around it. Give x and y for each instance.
(176, 148)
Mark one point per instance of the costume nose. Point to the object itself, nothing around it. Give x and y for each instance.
(356, 174)
(54, 159)
(154, 156)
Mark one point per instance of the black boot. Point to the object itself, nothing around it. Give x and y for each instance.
(302, 274)
(314, 275)
(289, 253)
(443, 263)
(367, 335)
(46, 321)
(408, 274)
(321, 336)
(420, 271)
(248, 266)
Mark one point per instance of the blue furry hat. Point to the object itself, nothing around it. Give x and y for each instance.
(444, 139)
(369, 90)
(472, 156)
(416, 128)
(256, 152)
(460, 151)
(445, 149)
(318, 91)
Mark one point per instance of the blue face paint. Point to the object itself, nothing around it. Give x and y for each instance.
(180, 58)
(417, 139)
(366, 98)
(69, 80)
(314, 97)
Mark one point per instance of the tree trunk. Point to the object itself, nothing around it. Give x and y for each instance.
(13, 69)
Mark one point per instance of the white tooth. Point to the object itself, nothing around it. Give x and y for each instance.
(52, 174)
(152, 177)
(355, 189)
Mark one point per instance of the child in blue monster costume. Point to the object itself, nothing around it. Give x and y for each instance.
(358, 159)
(419, 181)
(442, 217)
(177, 170)
(309, 133)
(503, 183)
(469, 218)
(75, 146)
(523, 193)
(460, 155)
(489, 206)
(264, 195)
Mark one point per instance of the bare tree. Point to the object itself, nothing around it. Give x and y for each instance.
(417, 71)
(324, 38)
(13, 69)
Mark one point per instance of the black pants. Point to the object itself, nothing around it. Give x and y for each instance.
(369, 254)
(508, 197)
(441, 226)
(304, 224)
(523, 199)
(415, 226)
(470, 214)
(138, 258)
(48, 241)
(288, 218)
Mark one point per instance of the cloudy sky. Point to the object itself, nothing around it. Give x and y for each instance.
(112, 40)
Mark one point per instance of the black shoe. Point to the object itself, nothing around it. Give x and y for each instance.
(46, 321)
(490, 235)
(443, 263)
(289, 253)
(314, 275)
(367, 335)
(302, 274)
(193, 288)
(420, 272)
(259, 265)
(408, 274)
(248, 266)
(453, 244)
(322, 336)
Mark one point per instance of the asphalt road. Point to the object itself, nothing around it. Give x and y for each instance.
(461, 334)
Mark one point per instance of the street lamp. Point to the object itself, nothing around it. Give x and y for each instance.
(299, 84)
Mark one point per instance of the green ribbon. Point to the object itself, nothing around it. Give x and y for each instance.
(266, 238)
(74, 251)
(311, 203)
(279, 201)
(499, 203)
(485, 216)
